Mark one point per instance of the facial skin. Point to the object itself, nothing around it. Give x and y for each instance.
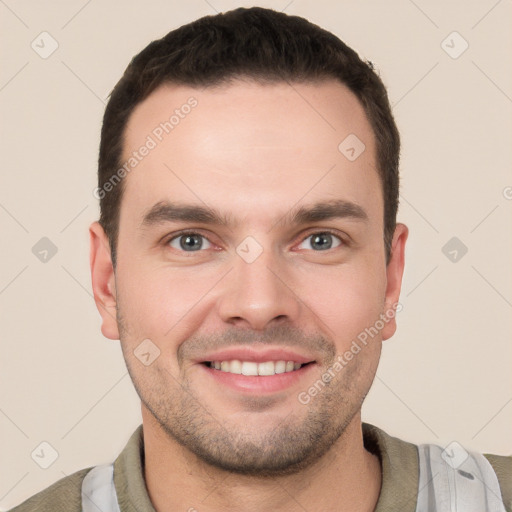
(255, 154)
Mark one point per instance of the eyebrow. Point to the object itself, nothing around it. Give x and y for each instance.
(325, 210)
(166, 211)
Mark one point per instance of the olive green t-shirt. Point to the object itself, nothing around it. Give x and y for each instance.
(399, 490)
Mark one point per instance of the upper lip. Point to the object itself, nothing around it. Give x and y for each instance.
(257, 356)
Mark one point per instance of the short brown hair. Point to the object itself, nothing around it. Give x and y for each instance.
(259, 44)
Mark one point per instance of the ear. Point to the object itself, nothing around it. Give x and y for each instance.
(103, 280)
(394, 273)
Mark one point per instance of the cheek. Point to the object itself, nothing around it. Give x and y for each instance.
(158, 302)
(346, 299)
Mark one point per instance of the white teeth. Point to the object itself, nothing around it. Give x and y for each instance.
(253, 368)
(235, 366)
(266, 368)
(249, 368)
(280, 366)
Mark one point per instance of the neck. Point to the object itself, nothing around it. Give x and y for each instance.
(347, 478)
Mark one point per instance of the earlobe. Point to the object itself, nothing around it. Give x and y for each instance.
(394, 274)
(103, 280)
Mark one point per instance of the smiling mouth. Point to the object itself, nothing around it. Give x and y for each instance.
(252, 368)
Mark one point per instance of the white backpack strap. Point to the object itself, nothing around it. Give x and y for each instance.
(98, 490)
(455, 480)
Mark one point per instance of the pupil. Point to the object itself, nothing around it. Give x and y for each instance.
(322, 241)
(192, 242)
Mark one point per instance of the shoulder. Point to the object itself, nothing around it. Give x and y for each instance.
(400, 462)
(502, 466)
(65, 495)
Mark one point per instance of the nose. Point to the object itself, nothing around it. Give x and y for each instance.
(258, 294)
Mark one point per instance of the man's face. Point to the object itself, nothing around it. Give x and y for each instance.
(293, 269)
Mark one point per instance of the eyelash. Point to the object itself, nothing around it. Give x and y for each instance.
(343, 241)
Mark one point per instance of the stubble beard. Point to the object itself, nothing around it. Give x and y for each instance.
(289, 444)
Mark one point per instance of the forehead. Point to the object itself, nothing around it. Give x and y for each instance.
(247, 146)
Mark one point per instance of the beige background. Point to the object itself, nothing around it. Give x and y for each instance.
(446, 373)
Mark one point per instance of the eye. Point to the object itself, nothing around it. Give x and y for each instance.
(189, 242)
(321, 241)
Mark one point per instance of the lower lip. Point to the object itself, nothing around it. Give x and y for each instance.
(259, 383)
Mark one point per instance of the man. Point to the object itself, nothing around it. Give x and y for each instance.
(249, 260)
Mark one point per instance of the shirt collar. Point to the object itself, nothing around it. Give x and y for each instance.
(398, 459)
